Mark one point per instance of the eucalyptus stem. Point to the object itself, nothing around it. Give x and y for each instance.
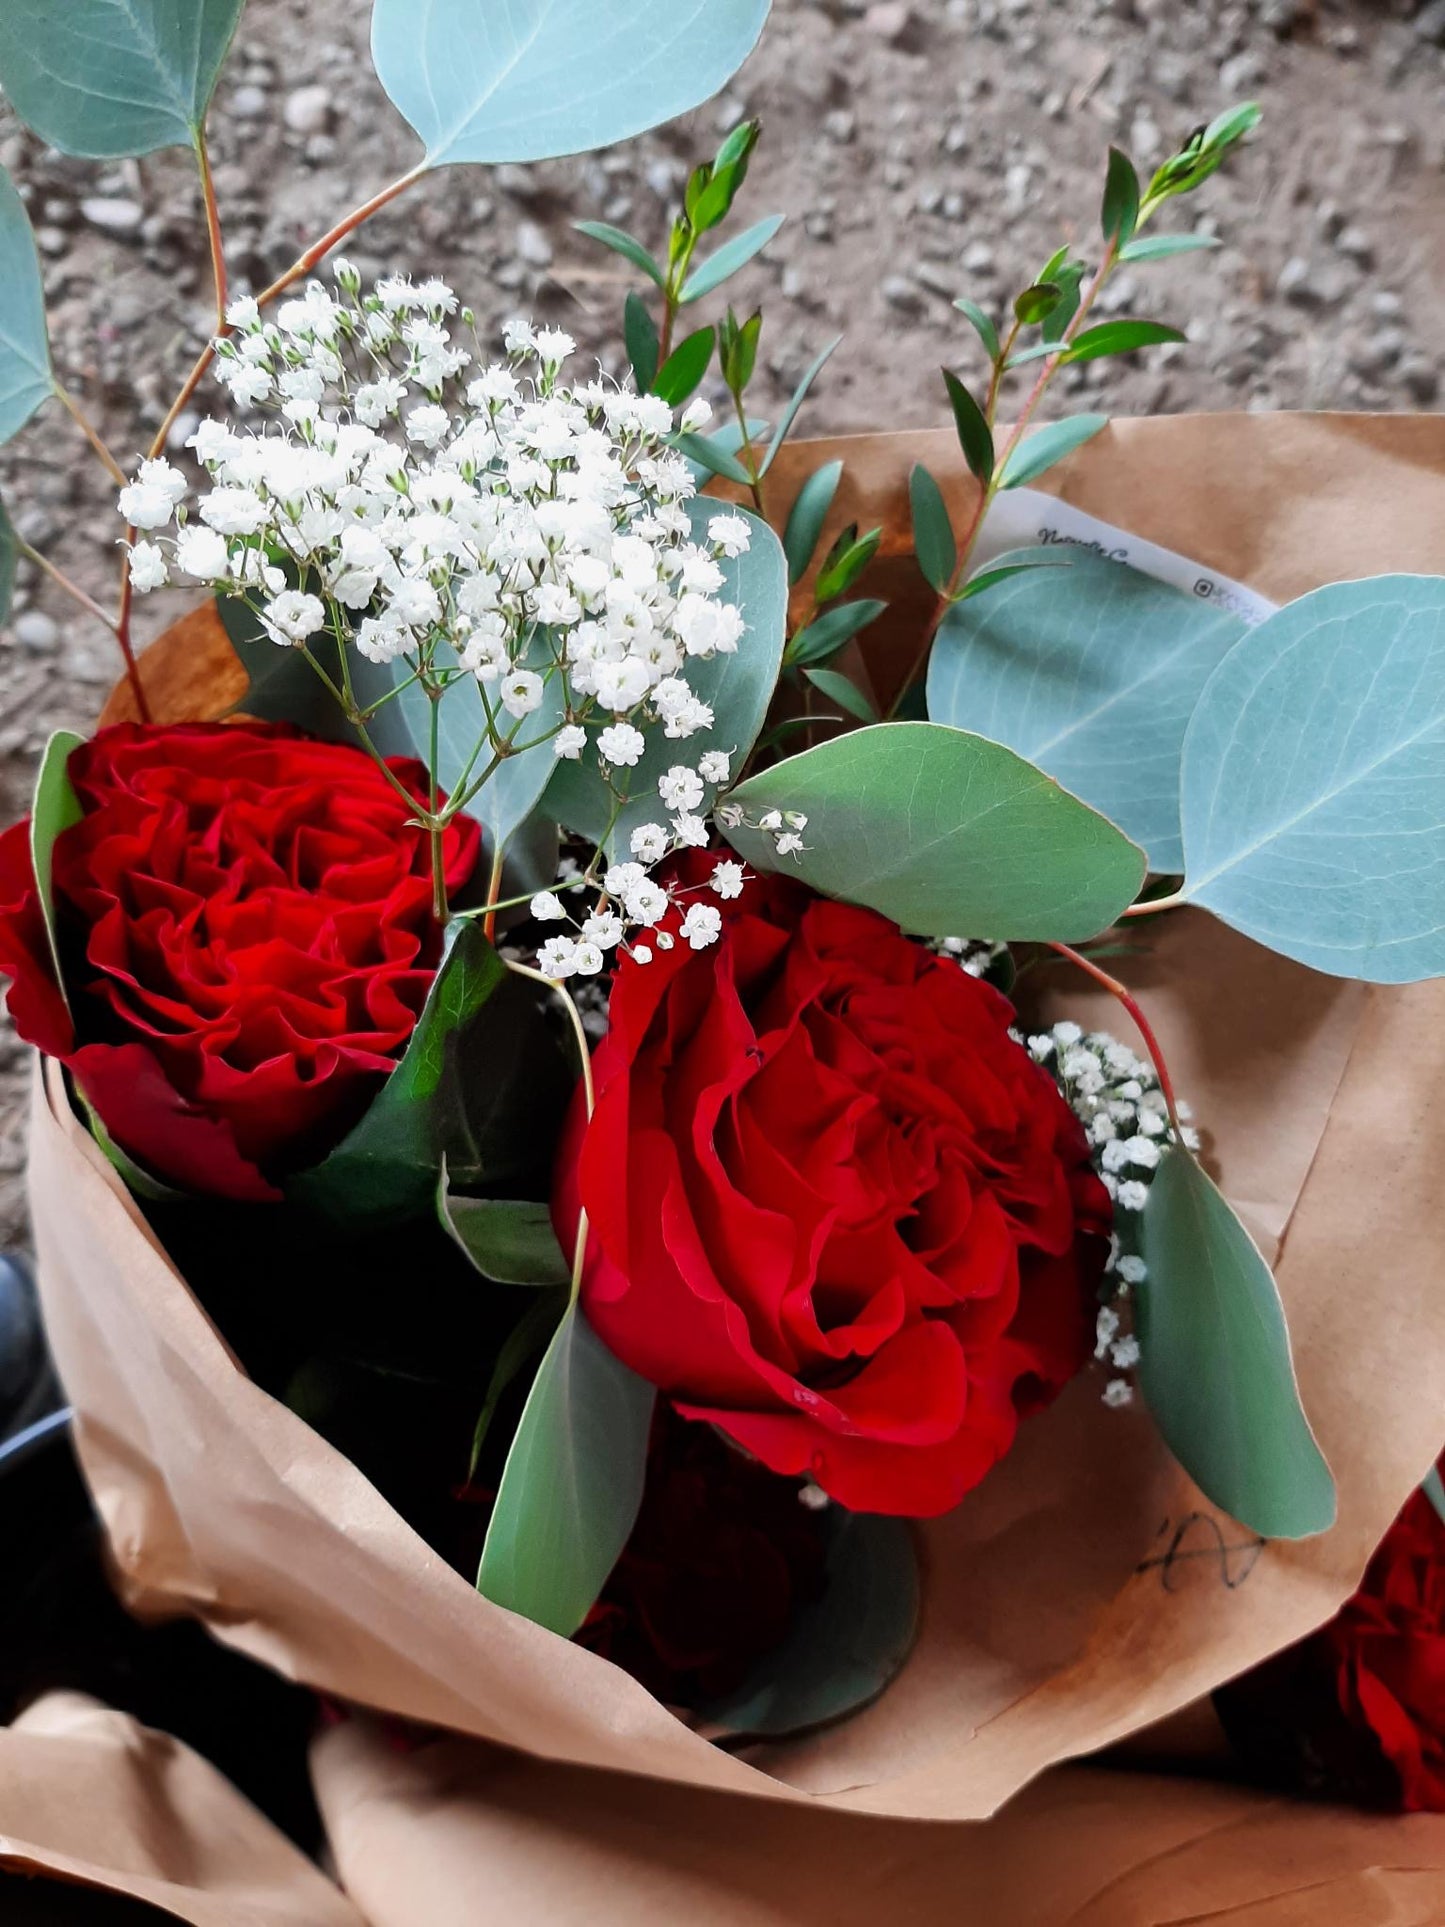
(91, 433)
(1141, 1023)
(63, 581)
(213, 228)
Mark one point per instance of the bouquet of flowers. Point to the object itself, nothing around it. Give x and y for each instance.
(576, 986)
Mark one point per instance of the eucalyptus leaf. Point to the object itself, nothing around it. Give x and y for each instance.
(807, 516)
(738, 687)
(25, 377)
(1091, 670)
(622, 243)
(828, 633)
(1119, 338)
(388, 1166)
(640, 337)
(946, 833)
(933, 541)
(9, 554)
(1048, 445)
(284, 688)
(731, 256)
(572, 1486)
(800, 395)
(531, 1334)
(1215, 1362)
(54, 809)
(845, 693)
(530, 79)
(681, 374)
(987, 579)
(1312, 778)
(843, 1649)
(509, 1240)
(106, 78)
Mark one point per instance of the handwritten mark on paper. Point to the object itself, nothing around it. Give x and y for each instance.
(1201, 1537)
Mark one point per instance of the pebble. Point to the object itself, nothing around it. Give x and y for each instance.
(520, 182)
(114, 216)
(899, 292)
(978, 257)
(308, 110)
(1429, 23)
(1421, 378)
(36, 630)
(891, 20)
(1356, 246)
(250, 103)
(840, 125)
(532, 244)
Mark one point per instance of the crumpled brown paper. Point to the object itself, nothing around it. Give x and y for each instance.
(1086, 1590)
(90, 1796)
(457, 1833)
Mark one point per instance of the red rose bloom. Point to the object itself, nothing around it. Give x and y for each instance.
(245, 920)
(836, 1210)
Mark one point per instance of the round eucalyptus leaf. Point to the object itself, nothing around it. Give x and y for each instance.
(25, 377)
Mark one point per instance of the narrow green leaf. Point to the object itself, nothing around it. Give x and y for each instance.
(1434, 1489)
(573, 1482)
(975, 437)
(806, 518)
(640, 337)
(137, 1179)
(841, 1651)
(838, 689)
(839, 574)
(800, 395)
(54, 809)
(1048, 445)
(1119, 214)
(623, 244)
(1158, 247)
(827, 633)
(944, 831)
(987, 579)
(1035, 304)
(1215, 1362)
(1232, 125)
(729, 438)
(25, 377)
(933, 541)
(106, 78)
(9, 554)
(1119, 338)
(731, 256)
(509, 1240)
(681, 374)
(983, 327)
(1039, 352)
(532, 1333)
(738, 349)
(537, 78)
(1070, 279)
(709, 454)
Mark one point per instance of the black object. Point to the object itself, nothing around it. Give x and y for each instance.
(26, 1902)
(28, 1386)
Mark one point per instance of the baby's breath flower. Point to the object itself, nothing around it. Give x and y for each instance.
(714, 766)
(680, 788)
(569, 742)
(702, 925)
(147, 568)
(547, 907)
(621, 745)
(293, 616)
(649, 843)
(727, 879)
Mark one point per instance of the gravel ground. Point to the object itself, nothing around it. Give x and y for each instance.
(921, 149)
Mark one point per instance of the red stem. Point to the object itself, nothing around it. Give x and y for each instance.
(1144, 1027)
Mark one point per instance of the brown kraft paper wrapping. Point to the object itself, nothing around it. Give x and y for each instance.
(1086, 1590)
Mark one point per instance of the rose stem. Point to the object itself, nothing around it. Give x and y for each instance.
(1144, 1027)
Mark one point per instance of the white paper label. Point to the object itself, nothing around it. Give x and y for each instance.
(1025, 518)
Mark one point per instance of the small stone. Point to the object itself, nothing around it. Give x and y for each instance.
(1378, 351)
(1430, 23)
(891, 20)
(36, 630)
(1386, 304)
(114, 216)
(1420, 378)
(841, 125)
(899, 292)
(1356, 246)
(1297, 283)
(1241, 74)
(250, 103)
(520, 182)
(533, 247)
(978, 258)
(308, 110)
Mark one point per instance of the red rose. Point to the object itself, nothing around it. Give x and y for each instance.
(245, 919)
(836, 1210)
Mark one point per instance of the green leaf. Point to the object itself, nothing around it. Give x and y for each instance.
(726, 441)
(1047, 445)
(531, 1334)
(1232, 125)
(827, 633)
(1434, 1489)
(1091, 670)
(25, 377)
(841, 571)
(983, 327)
(639, 335)
(847, 695)
(285, 688)
(388, 1166)
(55, 808)
(1037, 302)
(731, 256)
(1158, 247)
(1070, 279)
(933, 542)
(573, 1482)
(137, 1179)
(623, 244)
(947, 834)
(1119, 214)
(106, 78)
(739, 688)
(987, 579)
(806, 518)
(800, 394)
(843, 1649)
(681, 374)
(9, 554)
(509, 1240)
(535, 78)
(738, 349)
(1119, 338)
(1215, 1362)
(1312, 778)
(975, 437)
(709, 455)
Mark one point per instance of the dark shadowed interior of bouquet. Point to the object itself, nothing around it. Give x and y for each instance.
(567, 948)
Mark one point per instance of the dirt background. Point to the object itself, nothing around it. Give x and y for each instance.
(921, 149)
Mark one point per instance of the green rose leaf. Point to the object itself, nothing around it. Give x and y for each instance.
(573, 1482)
(55, 808)
(946, 833)
(1312, 777)
(739, 688)
(105, 78)
(1048, 445)
(806, 518)
(1215, 1362)
(535, 78)
(25, 377)
(509, 1240)
(844, 1648)
(1091, 670)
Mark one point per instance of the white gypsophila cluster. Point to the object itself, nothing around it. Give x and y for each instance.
(467, 522)
(974, 955)
(1116, 1096)
(580, 951)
